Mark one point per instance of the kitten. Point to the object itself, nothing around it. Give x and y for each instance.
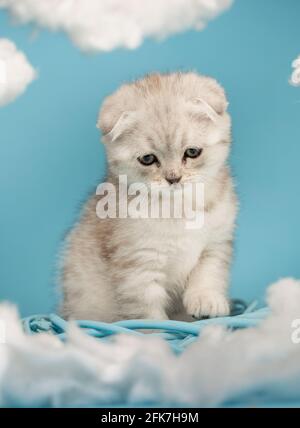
(162, 129)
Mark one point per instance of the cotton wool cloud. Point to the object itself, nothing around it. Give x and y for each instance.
(103, 25)
(295, 78)
(16, 73)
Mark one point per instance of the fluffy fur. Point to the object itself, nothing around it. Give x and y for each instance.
(157, 268)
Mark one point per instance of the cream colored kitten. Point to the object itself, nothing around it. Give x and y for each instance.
(163, 129)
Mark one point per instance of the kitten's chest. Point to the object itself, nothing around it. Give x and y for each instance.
(179, 250)
(183, 257)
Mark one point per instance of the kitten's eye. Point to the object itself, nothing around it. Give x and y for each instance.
(147, 160)
(192, 152)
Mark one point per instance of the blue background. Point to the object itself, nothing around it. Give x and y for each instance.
(51, 158)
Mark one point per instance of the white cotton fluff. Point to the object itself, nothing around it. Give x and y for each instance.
(102, 25)
(295, 78)
(15, 72)
(221, 365)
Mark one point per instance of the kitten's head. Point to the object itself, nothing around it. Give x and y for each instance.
(166, 128)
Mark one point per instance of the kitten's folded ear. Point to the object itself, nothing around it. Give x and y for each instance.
(208, 97)
(125, 122)
(117, 114)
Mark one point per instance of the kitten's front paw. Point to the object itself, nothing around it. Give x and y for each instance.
(206, 303)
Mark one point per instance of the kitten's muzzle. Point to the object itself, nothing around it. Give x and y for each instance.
(173, 179)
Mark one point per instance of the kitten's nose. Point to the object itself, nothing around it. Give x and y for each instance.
(173, 179)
